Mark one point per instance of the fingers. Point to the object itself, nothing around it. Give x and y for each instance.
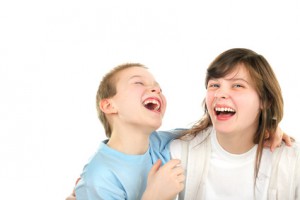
(181, 178)
(176, 170)
(72, 195)
(287, 139)
(267, 143)
(155, 168)
(165, 181)
(172, 163)
(276, 139)
(78, 179)
(267, 135)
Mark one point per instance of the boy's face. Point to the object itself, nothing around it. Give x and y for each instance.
(139, 100)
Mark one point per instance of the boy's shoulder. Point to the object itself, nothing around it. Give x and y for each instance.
(172, 133)
(99, 162)
(162, 138)
(106, 162)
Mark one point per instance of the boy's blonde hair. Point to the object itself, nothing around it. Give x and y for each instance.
(107, 89)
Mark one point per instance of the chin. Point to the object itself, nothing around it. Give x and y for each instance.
(223, 129)
(156, 125)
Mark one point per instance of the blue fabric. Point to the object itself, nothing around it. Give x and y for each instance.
(111, 175)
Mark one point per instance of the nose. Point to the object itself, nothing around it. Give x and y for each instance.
(156, 89)
(221, 93)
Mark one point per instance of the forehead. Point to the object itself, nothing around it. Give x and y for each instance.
(240, 71)
(134, 72)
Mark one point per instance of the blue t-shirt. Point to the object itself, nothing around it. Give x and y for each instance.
(111, 175)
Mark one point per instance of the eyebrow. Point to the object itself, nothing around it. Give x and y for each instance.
(139, 76)
(231, 79)
(135, 76)
(238, 79)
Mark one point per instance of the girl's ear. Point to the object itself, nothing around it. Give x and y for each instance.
(106, 105)
(261, 105)
(265, 105)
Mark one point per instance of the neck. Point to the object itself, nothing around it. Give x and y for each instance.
(235, 143)
(133, 142)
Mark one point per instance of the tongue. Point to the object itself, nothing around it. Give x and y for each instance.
(224, 115)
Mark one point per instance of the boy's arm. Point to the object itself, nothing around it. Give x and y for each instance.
(163, 182)
(72, 195)
(274, 140)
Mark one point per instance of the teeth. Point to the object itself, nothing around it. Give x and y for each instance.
(155, 102)
(150, 101)
(224, 110)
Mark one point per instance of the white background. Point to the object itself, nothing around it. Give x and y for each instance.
(54, 53)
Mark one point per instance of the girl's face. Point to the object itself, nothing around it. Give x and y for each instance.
(139, 101)
(233, 103)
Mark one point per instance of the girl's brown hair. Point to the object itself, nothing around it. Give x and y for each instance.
(266, 85)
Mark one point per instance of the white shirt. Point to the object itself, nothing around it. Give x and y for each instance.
(230, 176)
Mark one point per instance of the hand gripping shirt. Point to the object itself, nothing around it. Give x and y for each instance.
(111, 175)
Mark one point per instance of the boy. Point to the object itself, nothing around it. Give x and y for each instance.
(131, 106)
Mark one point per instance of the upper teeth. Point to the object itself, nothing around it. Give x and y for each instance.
(224, 110)
(153, 101)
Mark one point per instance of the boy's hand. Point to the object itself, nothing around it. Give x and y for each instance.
(274, 140)
(164, 182)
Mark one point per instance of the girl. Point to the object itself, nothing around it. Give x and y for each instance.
(223, 152)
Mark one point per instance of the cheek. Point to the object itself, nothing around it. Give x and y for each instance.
(250, 103)
(164, 99)
(210, 96)
(164, 102)
(209, 99)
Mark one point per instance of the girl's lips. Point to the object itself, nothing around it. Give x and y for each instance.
(224, 112)
(223, 116)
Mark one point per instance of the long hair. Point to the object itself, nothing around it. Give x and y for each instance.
(266, 86)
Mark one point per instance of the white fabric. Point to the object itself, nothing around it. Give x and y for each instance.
(230, 176)
(282, 179)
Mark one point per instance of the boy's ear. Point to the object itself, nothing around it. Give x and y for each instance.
(106, 105)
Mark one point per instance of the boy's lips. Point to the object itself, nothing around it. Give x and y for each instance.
(152, 103)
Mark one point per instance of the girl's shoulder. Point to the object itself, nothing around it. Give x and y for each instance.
(188, 140)
(286, 154)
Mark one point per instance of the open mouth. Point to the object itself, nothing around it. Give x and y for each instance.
(152, 104)
(224, 111)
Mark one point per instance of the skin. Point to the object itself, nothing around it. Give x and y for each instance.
(133, 119)
(166, 181)
(235, 130)
(127, 113)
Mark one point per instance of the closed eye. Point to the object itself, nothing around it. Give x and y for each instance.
(214, 85)
(139, 83)
(238, 86)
